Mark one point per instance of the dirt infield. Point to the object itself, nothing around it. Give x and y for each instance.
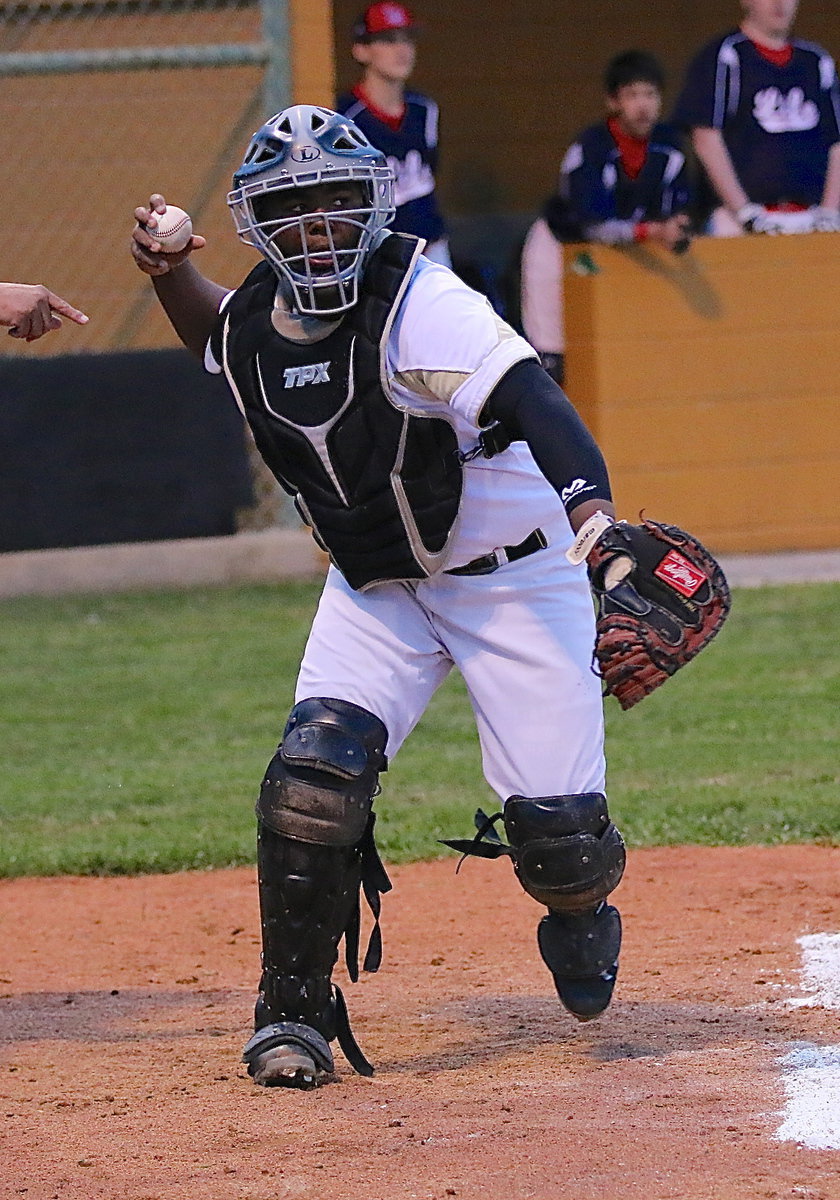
(125, 1004)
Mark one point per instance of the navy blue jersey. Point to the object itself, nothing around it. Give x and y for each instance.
(778, 122)
(599, 192)
(411, 151)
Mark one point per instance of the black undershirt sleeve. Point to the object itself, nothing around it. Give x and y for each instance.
(533, 409)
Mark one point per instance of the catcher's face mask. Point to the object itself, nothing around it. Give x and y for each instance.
(311, 196)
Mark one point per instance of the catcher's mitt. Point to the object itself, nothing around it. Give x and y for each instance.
(661, 598)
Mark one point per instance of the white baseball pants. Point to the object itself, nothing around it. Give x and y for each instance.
(522, 639)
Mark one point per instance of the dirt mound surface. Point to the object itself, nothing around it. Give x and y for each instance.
(126, 1002)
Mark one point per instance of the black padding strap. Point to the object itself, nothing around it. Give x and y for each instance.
(344, 1034)
(491, 441)
(375, 883)
(485, 844)
(351, 942)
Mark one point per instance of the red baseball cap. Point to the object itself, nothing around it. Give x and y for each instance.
(382, 18)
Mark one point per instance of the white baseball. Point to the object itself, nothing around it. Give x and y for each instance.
(173, 229)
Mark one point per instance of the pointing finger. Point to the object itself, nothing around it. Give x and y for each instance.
(58, 305)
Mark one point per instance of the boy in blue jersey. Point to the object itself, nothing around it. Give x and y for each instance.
(622, 181)
(402, 124)
(764, 113)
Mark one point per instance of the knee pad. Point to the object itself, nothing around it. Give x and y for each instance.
(321, 782)
(567, 853)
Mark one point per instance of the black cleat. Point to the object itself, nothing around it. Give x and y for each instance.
(288, 1054)
(586, 998)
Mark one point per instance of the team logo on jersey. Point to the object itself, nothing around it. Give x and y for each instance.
(305, 153)
(576, 487)
(680, 574)
(790, 113)
(300, 376)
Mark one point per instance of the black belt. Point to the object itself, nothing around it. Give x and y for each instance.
(488, 563)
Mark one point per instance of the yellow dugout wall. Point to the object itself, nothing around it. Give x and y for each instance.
(712, 384)
(311, 52)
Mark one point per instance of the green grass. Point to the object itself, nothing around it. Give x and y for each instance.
(742, 745)
(135, 727)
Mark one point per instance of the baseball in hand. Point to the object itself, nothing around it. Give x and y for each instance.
(173, 230)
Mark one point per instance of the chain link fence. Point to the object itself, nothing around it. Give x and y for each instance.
(103, 102)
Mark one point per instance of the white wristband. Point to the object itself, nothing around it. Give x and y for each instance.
(754, 218)
(588, 535)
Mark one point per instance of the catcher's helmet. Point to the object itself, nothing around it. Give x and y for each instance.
(300, 147)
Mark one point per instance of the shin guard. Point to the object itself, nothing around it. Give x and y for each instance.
(569, 856)
(315, 852)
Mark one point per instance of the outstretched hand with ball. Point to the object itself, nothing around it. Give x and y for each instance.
(162, 242)
(163, 237)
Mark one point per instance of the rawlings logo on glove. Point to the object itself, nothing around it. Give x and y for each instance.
(661, 598)
(680, 574)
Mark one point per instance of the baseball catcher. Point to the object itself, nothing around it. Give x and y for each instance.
(449, 479)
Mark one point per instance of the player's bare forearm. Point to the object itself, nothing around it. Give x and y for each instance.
(713, 154)
(831, 190)
(191, 302)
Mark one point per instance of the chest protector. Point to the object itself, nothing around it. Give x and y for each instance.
(380, 487)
